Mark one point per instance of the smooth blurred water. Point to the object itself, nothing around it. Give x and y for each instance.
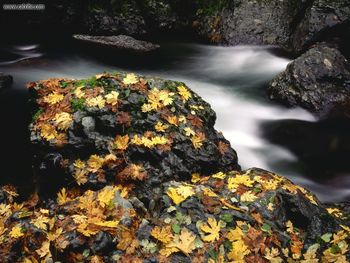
(232, 79)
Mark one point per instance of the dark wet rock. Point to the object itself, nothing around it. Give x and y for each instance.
(5, 81)
(319, 80)
(120, 42)
(323, 147)
(102, 22)
(324, 20)
(253, 22)
(92, 130)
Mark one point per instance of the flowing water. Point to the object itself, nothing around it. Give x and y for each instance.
(232, 79)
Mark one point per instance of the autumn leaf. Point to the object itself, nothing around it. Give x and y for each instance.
(133, 171)
(185, 242)
(184, 93)
(62, 197)
(16, 231)
(106, 196)
(160, 127)
(212, 230)
(248, 197)
(79, 93)
(238, 252)
(163, 234)
(95, 163)
(121, 142)
(180, 193)
(53, 98)
(40, 222)
(44, 251)
(189, 132)
(63, 120)
(197, 140)
(234, 181)
(130, 79)
(127, 242)
(48, 131)
(235, 234)
(98, 102)
(112, 98)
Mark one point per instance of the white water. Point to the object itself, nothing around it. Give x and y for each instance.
(231, 79)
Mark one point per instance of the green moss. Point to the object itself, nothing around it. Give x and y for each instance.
(211, 7)
(78, 104)
(88, 83)
(37, 114)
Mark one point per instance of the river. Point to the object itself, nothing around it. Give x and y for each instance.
(232, 79)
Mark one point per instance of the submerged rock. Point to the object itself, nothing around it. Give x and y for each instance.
(5, 81)
(319, 80)
(121, 42)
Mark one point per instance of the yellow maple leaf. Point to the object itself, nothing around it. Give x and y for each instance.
(53, 98)
(106, 223)
(16, 231)
(173, 120)
(184, 242)
(163, 234)
(248, 197)
(212, 230)
(48, 131)
(160, 127)
(237, 180)
(79, 93)
(98, 102)
(62, 197)
(235, 234)
(180, 193)
(196, 177)
(130, 78)
(184, 93)
(80, 177)
(189, 132)
(121, 142)
(106, 196)
(197, 140)
(40, 222)
(146, 107)
(95, 163)
(79, 164)
(63, 120)
(238, 252)
(44, 251)
(219, 175)
(112, 98)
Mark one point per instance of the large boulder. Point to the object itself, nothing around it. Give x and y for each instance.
(253, 216)
(324, 20)
(137, 126)
(318, 80)
(120, 42)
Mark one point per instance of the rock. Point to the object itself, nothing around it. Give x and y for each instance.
(318, 80)
(121, 42)
(253, 22)
(160, 131)
(323, 147)
(5, 81)
(324, 20)
(103, 22)
(250, 212)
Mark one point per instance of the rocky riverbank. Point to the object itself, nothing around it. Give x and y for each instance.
(142, 176)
